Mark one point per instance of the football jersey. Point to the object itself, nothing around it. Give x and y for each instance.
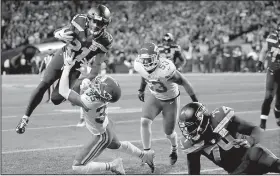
(220, 149)
(171, 52)
(95, 113)
(158, 81)
(273, 45)
(84, 44)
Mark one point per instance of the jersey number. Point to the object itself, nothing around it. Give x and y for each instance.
(102, 111)
(158, 87)
(77, 46)
(275, 51)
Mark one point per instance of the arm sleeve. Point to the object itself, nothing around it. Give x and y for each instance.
(142, 85)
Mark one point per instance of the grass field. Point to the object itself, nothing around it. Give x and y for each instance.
(51, 140)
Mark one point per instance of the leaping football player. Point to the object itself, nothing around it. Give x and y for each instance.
(87, 37)
(227, 140)
(170, 50)
(272, 88)
(163, 79)
(99, 93)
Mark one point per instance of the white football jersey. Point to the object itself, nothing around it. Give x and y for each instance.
(96, 113)
(158, 80)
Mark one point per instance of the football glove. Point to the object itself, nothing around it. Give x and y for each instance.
(141, 96)
(64, 34)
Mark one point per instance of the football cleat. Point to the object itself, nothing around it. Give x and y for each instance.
(148, 158)
(117, 167)
(20, 129)
(278, 121)
(263, 124)
(173, 157)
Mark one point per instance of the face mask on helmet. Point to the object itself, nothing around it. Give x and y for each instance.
(149, 61)
(96, 24)
(98, 86)
(195, 128)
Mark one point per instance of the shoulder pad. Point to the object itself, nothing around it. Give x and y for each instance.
(167, 68)
(272, 38)
(80, 21)
(221, 117)
(188, 146)
(88, 98)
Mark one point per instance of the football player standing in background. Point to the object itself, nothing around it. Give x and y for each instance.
(172, 51)
(87, 37)
(163, 79)
(272, 87)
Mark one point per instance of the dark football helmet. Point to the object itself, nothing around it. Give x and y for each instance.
(106, 88)
(167, 39)
(194, 121)
(149, 56)
(99, 18)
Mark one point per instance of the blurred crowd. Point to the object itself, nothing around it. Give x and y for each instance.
(203, 26)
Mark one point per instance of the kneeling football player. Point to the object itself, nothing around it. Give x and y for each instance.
(94, 101)
(225, 139)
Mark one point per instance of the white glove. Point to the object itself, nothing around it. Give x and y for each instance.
(85, 84)
(64, 34)
(68, 56)
(84, 67)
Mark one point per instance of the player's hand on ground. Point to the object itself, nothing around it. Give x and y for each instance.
(68, 57)
(242, 143)
(141, 96)
(84, 67)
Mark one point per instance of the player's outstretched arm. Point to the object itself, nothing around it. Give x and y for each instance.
(193, 163)
(179, 79)
(96, 65)
(252, 132)
(141, 90)
(64, 89)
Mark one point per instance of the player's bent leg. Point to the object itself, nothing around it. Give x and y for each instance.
(264, 159)
(150, 110)
(170, 112)
(269, 94)
(277, 105)
(56, 97)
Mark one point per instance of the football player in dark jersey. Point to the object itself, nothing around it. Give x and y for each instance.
(172, 51)
(225, 139)
(87, 37)
(271, 50)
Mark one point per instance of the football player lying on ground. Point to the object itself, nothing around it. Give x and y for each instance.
(163, 79)
(94, 101)
(225, 139)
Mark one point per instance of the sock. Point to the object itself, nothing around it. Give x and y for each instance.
(130, 149)
(146, 132)
(92, 167)
(82, 113)
(25, 117)
(266, 106)
(277, 113)
(264, 117)
(173, 140)
(36, 97)
(275, 167)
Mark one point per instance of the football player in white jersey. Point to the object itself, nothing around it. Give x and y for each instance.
(163, 79)
(101, 91)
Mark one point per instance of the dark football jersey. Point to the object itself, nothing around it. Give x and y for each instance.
(171, 52)
(273, 51)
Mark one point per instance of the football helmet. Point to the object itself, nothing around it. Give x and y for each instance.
(106, 88)
(99, 18)
(168, 38)
(149, 56)
(194, 121)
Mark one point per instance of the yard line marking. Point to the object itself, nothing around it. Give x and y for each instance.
(118, 110)
(76, 146)
(65, 147)
(116, 122)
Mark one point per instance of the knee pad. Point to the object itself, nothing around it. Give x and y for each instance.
(146, 121)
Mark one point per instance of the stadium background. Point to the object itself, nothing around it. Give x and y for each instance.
(208, 32)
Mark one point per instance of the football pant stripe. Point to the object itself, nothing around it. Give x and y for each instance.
(93, 148)
(97, 149)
